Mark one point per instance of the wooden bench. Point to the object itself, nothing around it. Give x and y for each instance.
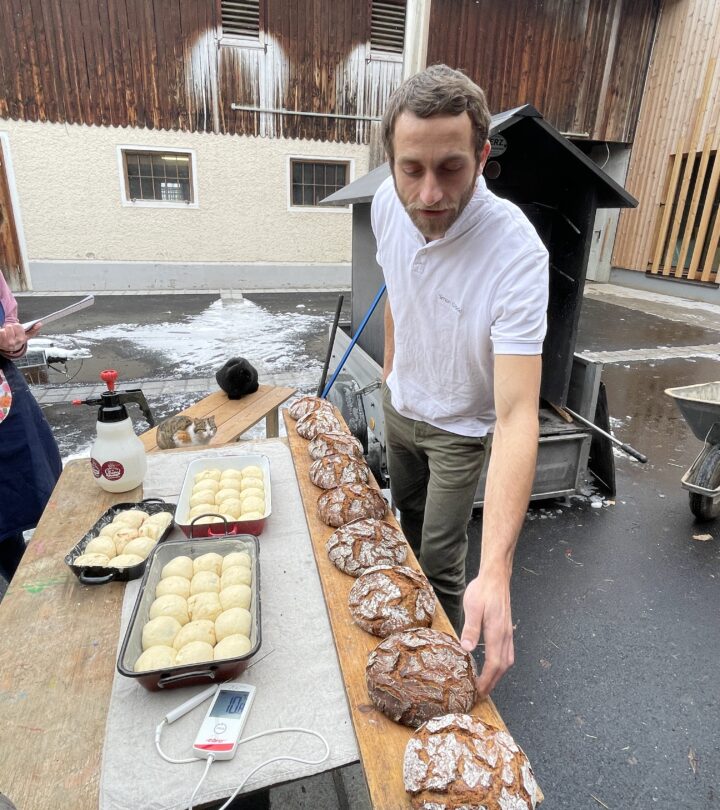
(233, 417)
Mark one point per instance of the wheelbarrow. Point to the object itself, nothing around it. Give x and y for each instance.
(700, 405)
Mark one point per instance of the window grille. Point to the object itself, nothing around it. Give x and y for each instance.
(387, 29)
(240, 18)
(312, 181)
(158, 176)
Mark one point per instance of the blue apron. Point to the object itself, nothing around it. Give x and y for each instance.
(30, 462)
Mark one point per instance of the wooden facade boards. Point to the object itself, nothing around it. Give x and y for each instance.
(582, 64)
(674, 171)
(165, 64)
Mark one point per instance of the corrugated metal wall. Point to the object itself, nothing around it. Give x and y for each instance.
(679, 117)
(581, 63)
(157, 64)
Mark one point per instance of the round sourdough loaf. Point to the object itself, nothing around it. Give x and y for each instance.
(305, 405)
(365, 543)
(333, 471)
(350, 502)
(414, 675)
(389, 598)
(323, 420)
(327, 444)
(457, 761)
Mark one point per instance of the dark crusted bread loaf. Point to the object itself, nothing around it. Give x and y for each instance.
(389, 598)
(333, 471)
(305, 405)
(414, 675)
(365, 543)
(340, 505)
(457, 761)
(323, 420)
(327, 444)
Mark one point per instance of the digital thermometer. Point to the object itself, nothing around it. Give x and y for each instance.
(223, 724)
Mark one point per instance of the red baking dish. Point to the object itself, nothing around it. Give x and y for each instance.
(191, 528)
(188, 674)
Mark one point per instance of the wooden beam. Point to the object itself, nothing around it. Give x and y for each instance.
(381, 741)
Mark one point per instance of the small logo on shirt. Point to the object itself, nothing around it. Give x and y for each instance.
(450, 303)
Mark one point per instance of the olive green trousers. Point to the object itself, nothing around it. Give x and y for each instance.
(433, 479)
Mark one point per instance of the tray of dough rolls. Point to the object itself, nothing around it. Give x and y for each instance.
(197, 615)
(117, 546)
(225, 495)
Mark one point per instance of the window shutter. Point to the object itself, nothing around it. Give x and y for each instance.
(241, 18)
(387, 28)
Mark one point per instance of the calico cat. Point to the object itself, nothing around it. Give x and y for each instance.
(182, 431)
(237, 378)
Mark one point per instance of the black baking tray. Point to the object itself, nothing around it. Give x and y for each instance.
(100, 574)
(188, 674)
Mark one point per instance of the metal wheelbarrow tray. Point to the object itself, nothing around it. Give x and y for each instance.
(700, 405)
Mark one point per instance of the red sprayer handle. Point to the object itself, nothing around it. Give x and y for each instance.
(109, 377)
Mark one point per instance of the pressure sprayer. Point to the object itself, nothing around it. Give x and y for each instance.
(117, 456)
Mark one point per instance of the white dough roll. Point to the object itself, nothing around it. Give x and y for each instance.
(237, 575)
(160, 631)
(170, 605)
(179, 566)
(199, 630)
(232, 622)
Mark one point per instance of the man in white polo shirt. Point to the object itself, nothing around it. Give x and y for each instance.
(465, 318)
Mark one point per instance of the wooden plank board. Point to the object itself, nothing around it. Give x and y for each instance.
(57, 649)
(381, 742)
(233, 417)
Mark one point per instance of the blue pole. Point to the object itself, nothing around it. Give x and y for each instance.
(357, 334)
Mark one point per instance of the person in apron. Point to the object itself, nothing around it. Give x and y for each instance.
(30, 463)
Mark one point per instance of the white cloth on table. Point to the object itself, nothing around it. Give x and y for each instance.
(296, 671)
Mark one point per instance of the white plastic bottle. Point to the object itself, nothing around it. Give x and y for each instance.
(118, 456)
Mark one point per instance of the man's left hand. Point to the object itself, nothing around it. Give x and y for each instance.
(488, 613)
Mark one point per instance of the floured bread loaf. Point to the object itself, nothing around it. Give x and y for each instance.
(336, 470)
(327, 444)
(323, 420)
(457, 761)
(389, 598)
(350, 502)
(305, 405)
(365, 543)
(414, 675)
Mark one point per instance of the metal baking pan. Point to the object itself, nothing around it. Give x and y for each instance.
(100, 574)
(188, 674)
(238, 462)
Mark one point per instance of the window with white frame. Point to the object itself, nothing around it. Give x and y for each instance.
(313, 180)
(240, 21)
(158, 176)
(387, 28)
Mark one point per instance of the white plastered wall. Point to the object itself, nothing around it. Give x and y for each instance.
(69, 190)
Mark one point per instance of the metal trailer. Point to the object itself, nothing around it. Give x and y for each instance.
(559, 189)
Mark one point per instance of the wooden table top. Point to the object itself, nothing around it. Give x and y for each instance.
(233, 417)
(381, 741)
(58, 642)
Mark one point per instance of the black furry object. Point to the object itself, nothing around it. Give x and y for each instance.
(237, 378)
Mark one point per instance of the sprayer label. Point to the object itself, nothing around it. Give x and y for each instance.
(112, 470)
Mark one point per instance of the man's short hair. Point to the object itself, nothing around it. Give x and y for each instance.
(438, 90)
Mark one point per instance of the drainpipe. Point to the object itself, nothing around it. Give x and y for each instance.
(417, 27)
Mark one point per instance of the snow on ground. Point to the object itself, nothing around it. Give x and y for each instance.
(200, 344)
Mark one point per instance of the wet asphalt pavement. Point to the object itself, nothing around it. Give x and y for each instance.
(614, 693)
